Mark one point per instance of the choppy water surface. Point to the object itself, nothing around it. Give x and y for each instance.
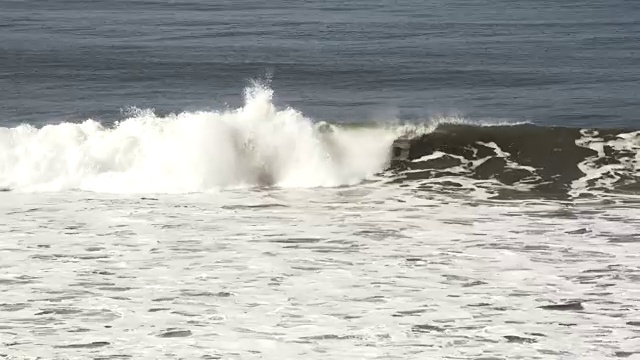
(356, 272)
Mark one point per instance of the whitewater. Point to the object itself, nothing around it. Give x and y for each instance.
(255, 145)
(363, 271)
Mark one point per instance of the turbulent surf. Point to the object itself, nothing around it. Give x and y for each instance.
(260, 145)
(255, 145)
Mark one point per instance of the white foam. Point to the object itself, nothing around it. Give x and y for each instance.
(623, 171)
(257, 144)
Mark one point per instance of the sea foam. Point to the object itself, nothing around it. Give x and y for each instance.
(255, 145)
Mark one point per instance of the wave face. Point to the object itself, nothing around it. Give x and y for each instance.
(255, 145)
(522, 160)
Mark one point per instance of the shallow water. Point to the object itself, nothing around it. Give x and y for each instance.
(357, 272)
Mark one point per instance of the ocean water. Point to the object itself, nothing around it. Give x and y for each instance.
(319, 180)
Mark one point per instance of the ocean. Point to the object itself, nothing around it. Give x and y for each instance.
(184, 179)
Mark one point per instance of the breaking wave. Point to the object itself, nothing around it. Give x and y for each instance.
(260, 145)
(256, 145)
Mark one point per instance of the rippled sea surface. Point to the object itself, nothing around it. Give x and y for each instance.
(573, 62)
(358, 272)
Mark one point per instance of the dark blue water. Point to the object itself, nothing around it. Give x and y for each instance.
(572, 63)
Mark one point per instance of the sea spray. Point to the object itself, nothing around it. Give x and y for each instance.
(255, 145)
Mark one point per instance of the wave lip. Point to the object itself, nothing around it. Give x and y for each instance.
(255, 145)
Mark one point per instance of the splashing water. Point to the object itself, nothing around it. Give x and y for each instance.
(255, 145)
